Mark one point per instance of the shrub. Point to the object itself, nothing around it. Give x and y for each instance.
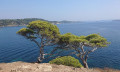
(66, 60)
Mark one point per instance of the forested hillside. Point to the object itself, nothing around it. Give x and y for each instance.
(20, 22)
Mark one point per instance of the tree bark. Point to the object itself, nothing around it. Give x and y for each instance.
(84, 61)
(41, 56)
(41, 47)
(85, 64)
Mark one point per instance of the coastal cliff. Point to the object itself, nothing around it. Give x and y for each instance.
(44, 67)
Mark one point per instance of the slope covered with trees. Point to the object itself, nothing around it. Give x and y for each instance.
(20, 22)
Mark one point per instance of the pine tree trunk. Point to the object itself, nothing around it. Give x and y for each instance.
(41, 56)
(85, 64)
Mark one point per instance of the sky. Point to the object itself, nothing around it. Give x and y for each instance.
(57, 10)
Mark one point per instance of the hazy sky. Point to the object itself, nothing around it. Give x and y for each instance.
(76, 10)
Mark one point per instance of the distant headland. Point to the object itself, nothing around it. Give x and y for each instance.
(25, 21)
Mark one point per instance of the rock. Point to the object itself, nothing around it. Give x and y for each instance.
(43, 67)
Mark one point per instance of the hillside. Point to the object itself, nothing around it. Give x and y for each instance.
(20, 22)
(44, 67)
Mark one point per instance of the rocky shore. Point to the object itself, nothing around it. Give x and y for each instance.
(44, 67)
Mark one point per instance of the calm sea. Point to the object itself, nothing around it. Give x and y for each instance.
(16, 48)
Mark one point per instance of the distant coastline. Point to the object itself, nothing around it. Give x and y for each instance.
(24, 22)
(12, 25)
(17, 22)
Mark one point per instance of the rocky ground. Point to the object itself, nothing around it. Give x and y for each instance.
(44, 67)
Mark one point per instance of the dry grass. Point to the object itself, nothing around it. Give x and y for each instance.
(46, 67)
(107, 70)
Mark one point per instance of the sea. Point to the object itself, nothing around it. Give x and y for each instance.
(14, 47)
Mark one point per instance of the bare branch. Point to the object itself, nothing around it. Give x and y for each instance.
(92, 50)
(36, 42)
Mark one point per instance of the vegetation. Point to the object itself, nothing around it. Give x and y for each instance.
(66, 60)
(20, 22)
(42, 33)
(106, 70)
(82, 46)
(46, 34)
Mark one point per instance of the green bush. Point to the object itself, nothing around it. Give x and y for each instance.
(66, 60)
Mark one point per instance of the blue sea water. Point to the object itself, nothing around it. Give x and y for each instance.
(14, 47)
